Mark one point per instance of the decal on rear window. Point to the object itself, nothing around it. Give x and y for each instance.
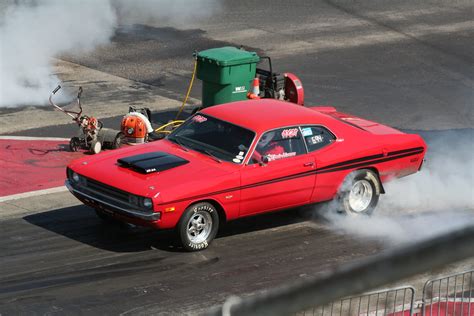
(307, 131)
(289, 133)
(199, 119)
(319, 138)
(316, 139)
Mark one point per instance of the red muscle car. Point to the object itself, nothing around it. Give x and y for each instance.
(245, 158)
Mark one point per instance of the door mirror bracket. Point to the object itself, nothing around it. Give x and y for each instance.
(263, 161)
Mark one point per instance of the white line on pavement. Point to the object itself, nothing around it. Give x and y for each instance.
(32, 193)
(31, 138)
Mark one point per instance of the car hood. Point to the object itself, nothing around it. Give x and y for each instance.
(195, 174)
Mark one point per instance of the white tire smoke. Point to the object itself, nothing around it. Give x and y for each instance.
(33, 32)
(436, 200)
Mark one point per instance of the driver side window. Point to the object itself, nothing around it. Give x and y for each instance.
(279, 144)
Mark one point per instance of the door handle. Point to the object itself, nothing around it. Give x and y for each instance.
(308, 164)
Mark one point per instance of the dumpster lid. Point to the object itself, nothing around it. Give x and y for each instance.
(228, 56)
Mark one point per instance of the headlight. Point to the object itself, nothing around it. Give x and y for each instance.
(75, 177)
(141, 202)
(148, 203)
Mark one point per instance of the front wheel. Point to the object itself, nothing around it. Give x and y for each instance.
(198, 226)
(359, 193)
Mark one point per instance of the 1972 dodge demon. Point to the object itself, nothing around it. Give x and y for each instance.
(245, 158)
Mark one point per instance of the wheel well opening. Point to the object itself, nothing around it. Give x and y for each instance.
(382, 190)
(219, 208)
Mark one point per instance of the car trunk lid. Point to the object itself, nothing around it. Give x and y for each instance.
(357, 122)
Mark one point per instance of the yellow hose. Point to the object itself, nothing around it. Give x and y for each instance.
(173, 125)
(176, 122)
(189, 89)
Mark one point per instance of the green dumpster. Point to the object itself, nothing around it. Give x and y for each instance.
(226, 74)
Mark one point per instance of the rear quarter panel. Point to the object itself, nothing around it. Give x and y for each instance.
(403, 155)
(391, 155)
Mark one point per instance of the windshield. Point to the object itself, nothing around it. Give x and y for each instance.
(218, 139)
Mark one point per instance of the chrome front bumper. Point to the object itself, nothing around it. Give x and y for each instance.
(109, 207)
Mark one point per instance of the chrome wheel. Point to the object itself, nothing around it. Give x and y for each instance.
(199, 227)
(360, 195)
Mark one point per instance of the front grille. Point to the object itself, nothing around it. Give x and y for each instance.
(108, 197)
(107, 191)
(101, 200)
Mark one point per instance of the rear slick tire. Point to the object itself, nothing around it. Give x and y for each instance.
(359, 194)
(198, 226)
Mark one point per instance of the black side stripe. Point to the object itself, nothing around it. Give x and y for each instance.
(370, 162)
(405, 151)
(368, 158)
(349, 164)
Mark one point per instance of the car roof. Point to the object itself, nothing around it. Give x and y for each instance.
(264, 114)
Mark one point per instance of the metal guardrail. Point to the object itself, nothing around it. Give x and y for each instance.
(449, 295)
(356, 278)
(396, 301)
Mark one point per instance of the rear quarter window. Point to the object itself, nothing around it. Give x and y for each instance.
(317, 137)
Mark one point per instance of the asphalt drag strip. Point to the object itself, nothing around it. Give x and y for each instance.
(66, 260)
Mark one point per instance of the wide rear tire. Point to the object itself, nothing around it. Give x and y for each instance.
(360, 192)
(198, 226)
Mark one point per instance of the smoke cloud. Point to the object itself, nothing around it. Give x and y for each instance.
(33, 32)
(436, 200)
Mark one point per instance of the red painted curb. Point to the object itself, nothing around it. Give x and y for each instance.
(30, 165)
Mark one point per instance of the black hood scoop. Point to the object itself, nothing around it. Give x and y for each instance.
(151, 162)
